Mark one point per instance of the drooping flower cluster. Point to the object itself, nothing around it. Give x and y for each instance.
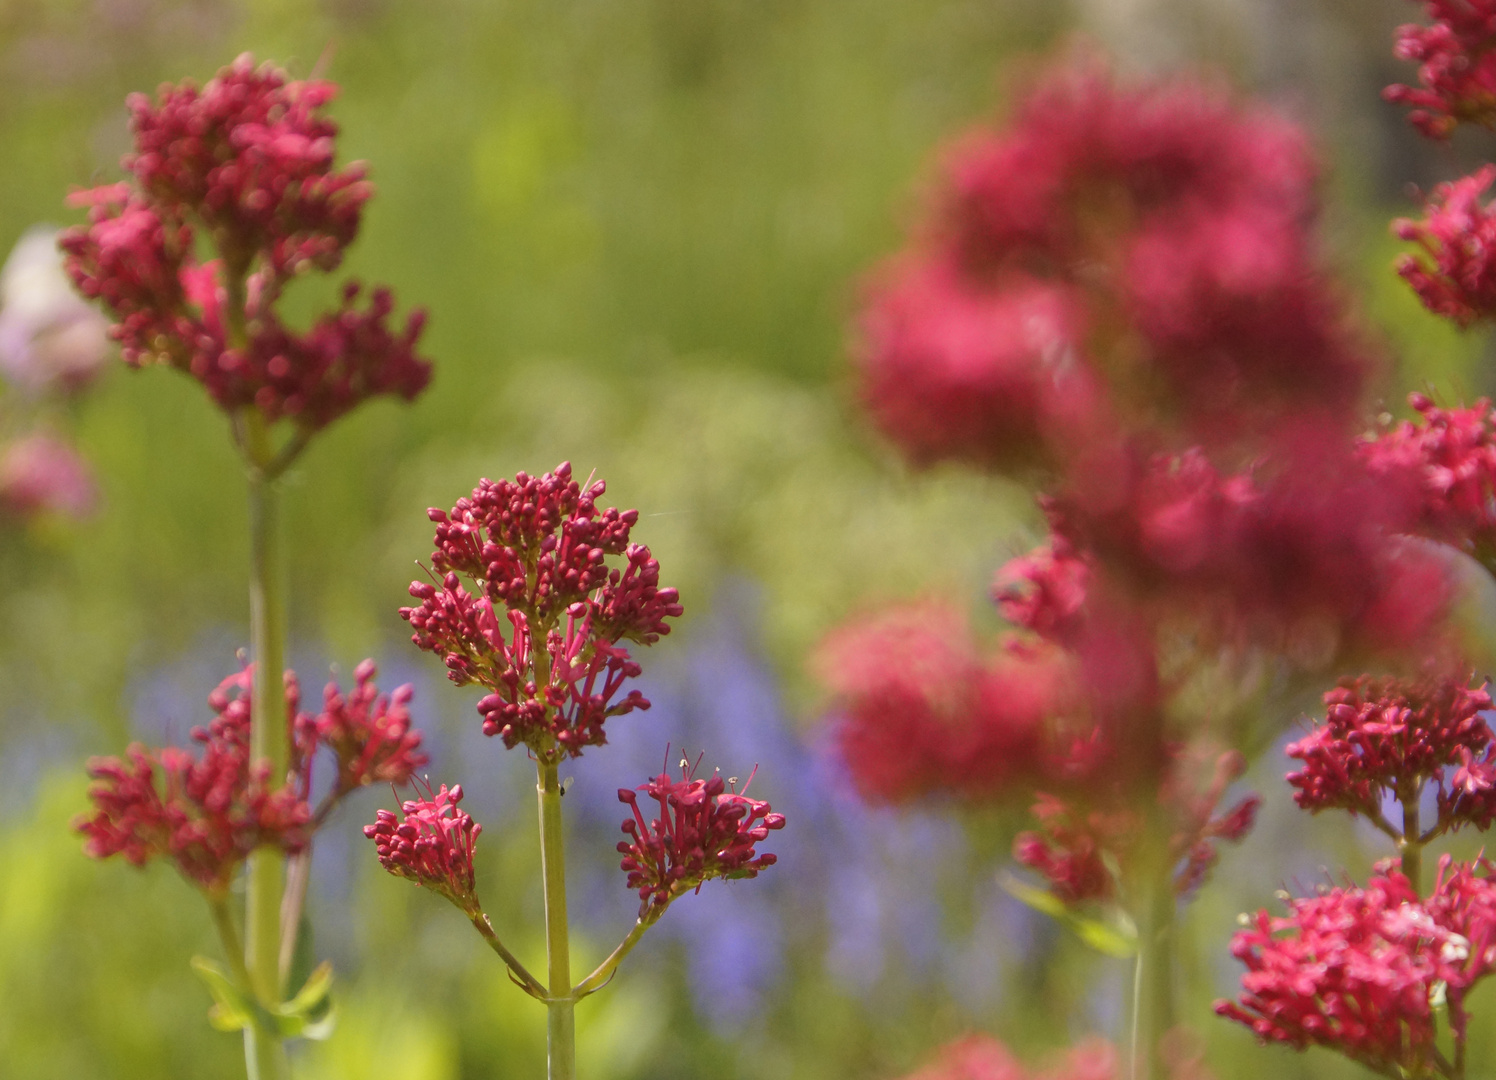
(704, 831)
(1363, 970)
(1456, 59)
(247, 163)
(207, 813)
(369, 734)
(1388, 738)
(536, 548)
(432, 846)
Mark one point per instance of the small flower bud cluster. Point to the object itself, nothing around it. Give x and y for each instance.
(247, 162)
(368, 732)
(207, 813)
(538, 549)
(704, 831)
(1456, 66)
(432, 846)
(1363, 970)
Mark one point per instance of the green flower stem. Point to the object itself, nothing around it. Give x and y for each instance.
(228, 937)
(561, 1023)
(1152, 1005)
(527, 982)
(599, 978)
(268, 739)
(1410, 845)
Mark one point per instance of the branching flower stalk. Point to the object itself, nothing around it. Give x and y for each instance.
(525, 602)
(246, 164)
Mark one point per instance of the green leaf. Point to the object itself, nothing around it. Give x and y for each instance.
(232, 1010)
(1114, 937)
(312, 994)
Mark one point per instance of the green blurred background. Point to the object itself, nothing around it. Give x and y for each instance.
(638, 228)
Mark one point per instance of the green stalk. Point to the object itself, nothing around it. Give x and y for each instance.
(265, 1056)
(1410, 847)
(1152, 1005)
(560, 1023)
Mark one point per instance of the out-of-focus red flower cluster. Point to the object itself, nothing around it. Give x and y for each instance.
(1390, 738)
(1456, 66)
(40, 472)
(247, 160)
(432, 846)
(207, 813)
(1363, 970)
(537, 549)
(981, 1057)
(924, 713)
(704, 831)
(1117, 259)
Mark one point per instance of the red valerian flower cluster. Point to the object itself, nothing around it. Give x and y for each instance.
(432, 846)
(1456, 59)
(1455, 274)
(207, 813)
(704, 831)
(1390, 738)
(1363, 970)
(1448, 458)
(537, 548)
(247, 162)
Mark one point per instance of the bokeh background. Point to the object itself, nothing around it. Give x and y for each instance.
(638, 228)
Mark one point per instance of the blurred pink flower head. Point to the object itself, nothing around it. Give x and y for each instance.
(41, 473)
(981, 1057)
(922, 713)
(50, 339)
